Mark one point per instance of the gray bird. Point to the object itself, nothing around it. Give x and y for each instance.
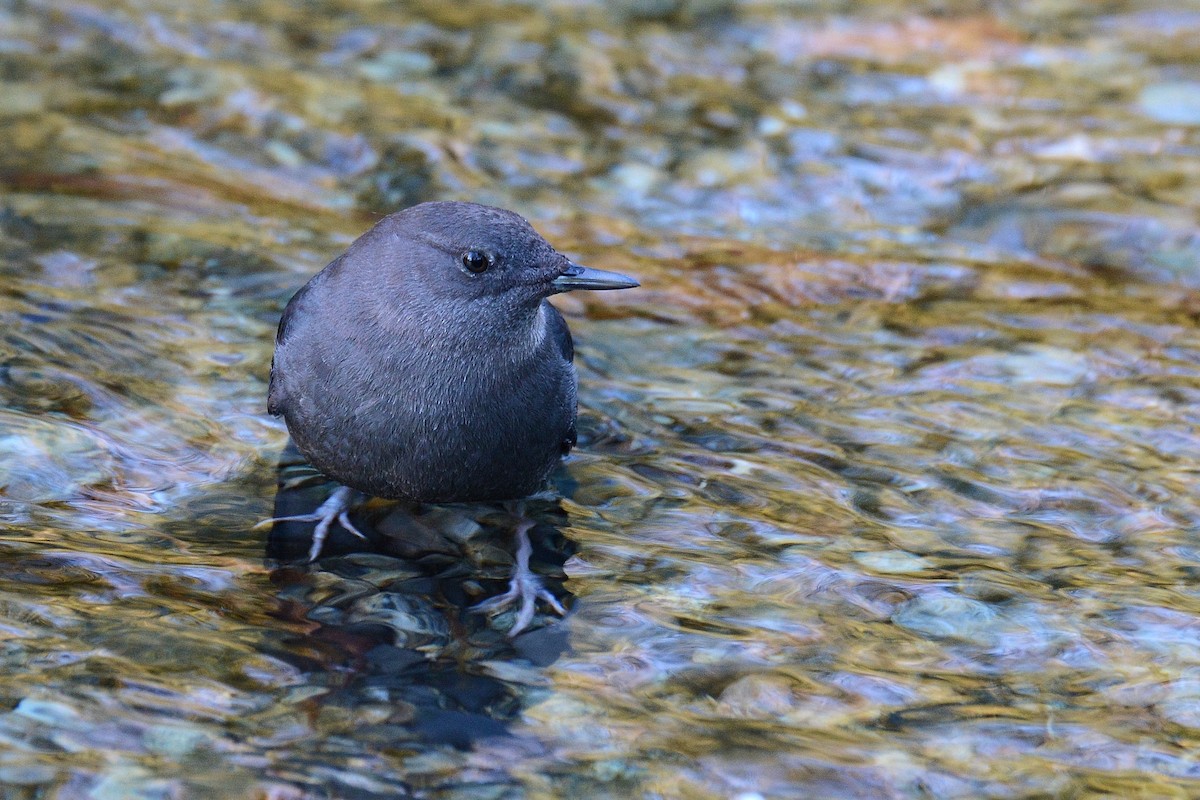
(425, 364)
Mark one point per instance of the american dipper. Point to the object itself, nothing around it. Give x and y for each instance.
(425, 363)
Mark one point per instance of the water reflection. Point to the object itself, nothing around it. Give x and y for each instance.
(886, 485)
(395, 615)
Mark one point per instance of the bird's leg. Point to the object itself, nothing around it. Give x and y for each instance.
(524, 587)
(335, 509)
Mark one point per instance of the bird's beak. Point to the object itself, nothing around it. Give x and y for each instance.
(578, 276)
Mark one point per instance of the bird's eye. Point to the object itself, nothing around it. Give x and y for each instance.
(476, 261)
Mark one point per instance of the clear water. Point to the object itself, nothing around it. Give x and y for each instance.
(887, 483)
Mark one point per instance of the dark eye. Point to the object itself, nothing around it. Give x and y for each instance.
(476, 261)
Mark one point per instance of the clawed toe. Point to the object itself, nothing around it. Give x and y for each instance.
(335, 509)
(525, 588)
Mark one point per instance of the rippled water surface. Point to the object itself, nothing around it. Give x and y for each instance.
(888, 481)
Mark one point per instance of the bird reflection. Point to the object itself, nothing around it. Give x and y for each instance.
(461, 551)
(392, 619)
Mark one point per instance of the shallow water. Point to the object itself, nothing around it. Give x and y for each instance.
(887, 482)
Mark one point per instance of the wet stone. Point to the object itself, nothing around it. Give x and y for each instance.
(760, 696)
(456, 728)
(1177, 103)
(389, 659)
(28, 775)
(947, 616)
(885, 483)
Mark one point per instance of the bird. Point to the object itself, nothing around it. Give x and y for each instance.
(426, 364)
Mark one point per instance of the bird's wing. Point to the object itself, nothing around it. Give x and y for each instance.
(559, 333)
(276, 394)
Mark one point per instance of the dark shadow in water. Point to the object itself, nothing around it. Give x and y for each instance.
(393, 615)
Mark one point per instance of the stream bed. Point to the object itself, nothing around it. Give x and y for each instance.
(888, 481)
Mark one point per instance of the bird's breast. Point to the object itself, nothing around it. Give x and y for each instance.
(438, 426)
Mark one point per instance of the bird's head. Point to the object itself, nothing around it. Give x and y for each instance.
(469, 255)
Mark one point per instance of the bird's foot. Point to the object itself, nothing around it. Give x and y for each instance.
(525, 588)
(335, 509)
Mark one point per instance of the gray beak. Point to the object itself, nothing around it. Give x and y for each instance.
(581, 277)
